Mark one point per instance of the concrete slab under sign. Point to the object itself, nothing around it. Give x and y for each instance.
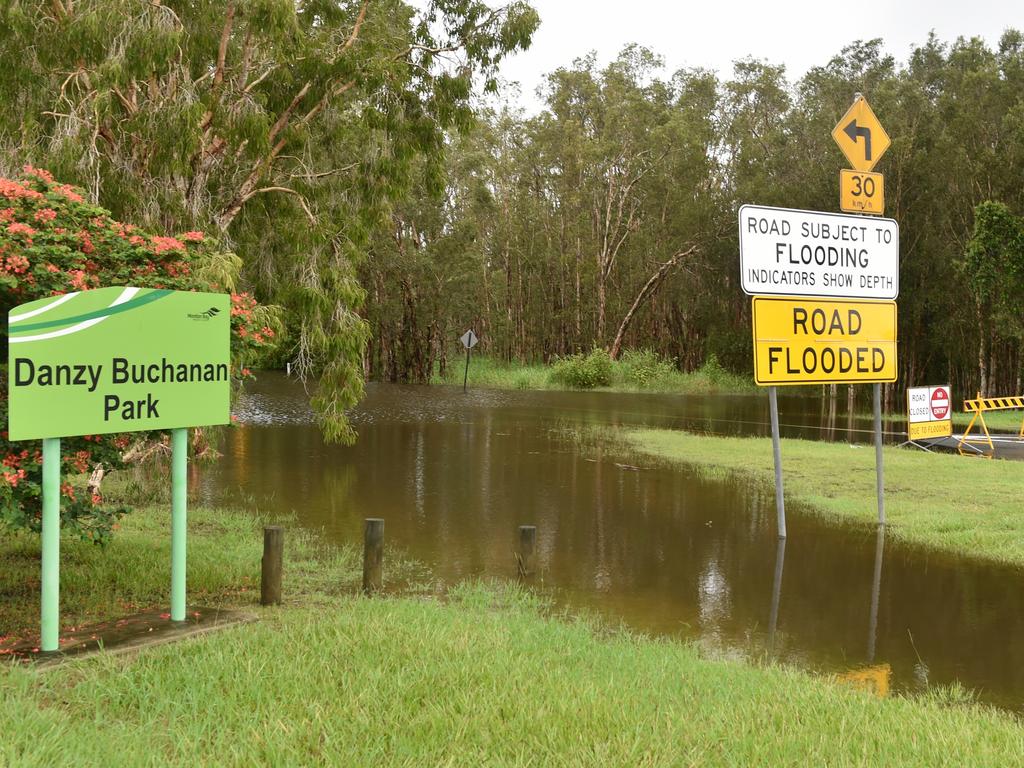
(127, 635)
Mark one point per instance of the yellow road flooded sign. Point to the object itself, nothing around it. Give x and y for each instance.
(874, 679)
(861, 137)
(861, 192)
(929, 412)
(817, 341)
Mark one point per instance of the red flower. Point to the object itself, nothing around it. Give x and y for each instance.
(166, 244)
(12, 190)
(17, 228)
(38, 173)
(193, 237)
(69, 192)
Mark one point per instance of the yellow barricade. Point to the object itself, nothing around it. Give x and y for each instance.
(978, 406)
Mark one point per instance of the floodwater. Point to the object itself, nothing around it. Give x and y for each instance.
(658, 548)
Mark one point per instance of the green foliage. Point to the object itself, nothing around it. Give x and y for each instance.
(583, 371)
(52, 241)
(289, 129)
(994, 258)
(644, 368)
(552, 224)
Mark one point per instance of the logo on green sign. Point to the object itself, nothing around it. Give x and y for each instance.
(118, 360)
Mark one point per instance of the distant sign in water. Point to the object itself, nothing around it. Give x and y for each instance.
(785, 252)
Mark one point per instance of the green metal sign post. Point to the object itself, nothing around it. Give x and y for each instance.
(50, 582)
(179, 522)
(116, 360)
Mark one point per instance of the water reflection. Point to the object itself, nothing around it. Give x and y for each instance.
(876, 588)
(773, 616)
(663, 549)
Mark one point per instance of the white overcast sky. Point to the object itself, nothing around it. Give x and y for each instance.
(714, 33)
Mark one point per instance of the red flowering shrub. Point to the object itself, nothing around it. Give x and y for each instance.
(52, 242)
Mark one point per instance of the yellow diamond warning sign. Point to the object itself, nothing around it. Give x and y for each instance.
(861, 136)
(811, 341)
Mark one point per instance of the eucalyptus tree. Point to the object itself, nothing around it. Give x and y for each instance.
(287, 128)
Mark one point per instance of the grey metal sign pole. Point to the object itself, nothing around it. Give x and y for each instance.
(879, 470)
(780, 504)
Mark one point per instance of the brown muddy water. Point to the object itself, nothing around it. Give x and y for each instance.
(657, 548)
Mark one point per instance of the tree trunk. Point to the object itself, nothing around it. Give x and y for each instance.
(983, 352)
(646, 291)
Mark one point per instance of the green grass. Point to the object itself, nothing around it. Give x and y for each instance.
(492, 373)
(485, 675)
(483, 678)
(954, 504)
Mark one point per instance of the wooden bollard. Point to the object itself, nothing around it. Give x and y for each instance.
(525, 555)
(373, 555)
(273, 562)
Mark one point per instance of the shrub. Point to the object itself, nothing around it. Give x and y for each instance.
(713, 370)
(584, 371)
(51, 242)
(644, 367)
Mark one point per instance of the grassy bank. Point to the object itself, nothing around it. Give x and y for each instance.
(634, 372)
(963, 506)
(132, 573)
(486, 676)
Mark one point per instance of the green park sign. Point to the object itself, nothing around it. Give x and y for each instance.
(116, 360)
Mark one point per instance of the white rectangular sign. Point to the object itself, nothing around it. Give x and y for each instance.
(786, 252)
(929, 412)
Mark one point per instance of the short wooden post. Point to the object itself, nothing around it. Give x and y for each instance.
(526, 554)
(273, 561)
(373, 555)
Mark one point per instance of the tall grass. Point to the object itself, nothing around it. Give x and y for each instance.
(635, 371)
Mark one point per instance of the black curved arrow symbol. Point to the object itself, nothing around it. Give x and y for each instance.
(853, 131)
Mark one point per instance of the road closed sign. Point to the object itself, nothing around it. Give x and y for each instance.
(817, 341)
(929, 412)
(786, 252)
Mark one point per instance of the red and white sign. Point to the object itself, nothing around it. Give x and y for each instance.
(929, 414)
(940, 403)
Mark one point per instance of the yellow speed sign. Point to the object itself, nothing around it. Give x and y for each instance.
(812, 341)
(861, 192)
